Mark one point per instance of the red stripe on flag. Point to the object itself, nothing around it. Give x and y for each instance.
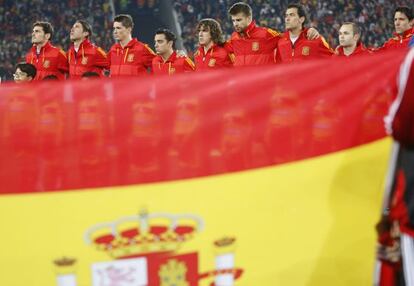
(73, 135)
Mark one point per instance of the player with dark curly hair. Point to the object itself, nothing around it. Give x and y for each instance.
(211, 53)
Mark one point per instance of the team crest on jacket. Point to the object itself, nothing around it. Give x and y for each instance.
(85, 60)
(130, 58)
(255, 46)
(145, 249)
(212, 62)
(305, 51)
(46, 64)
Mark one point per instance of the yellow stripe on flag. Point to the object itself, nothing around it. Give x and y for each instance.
(304, 223)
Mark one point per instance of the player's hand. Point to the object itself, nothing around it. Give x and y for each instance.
(312, 34)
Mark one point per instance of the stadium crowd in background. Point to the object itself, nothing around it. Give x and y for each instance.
(144, 6)
(17, 18)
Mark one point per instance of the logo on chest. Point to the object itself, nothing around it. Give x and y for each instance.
(84, 60)
(130, 58)
(255, 46)
(305, 51)
(46, 64)
(212, 62)
(171, 70)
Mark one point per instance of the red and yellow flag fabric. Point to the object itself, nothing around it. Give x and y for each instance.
(256, 176)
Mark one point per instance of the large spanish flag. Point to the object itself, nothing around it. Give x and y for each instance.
(261, 176)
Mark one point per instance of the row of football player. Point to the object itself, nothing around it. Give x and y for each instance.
(249, 45)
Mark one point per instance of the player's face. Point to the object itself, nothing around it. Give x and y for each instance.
(204, 36)
(121, 33)
(39, 36)
(292, 19)
(346, 36)
(162, 46)
(240, 21)
(20, 76)
(77, 33)
(401, 23)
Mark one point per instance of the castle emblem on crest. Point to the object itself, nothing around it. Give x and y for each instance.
(130, 58)
(84, 60)
(46, 64)
(255, 46)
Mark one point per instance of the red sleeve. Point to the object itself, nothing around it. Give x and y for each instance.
(274, 36)
(384, 47)
(228, 46)
(403, 124)
(62, 64)
(324, 48)
(188, 65)
(148, 55)
(28, 58)
(153, 65)
(230, 60)
(101, 59)
(278, 57)
(108, 58)
(277, 54)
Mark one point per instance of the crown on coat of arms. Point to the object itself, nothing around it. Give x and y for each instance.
(144, 234)
(64, 262)
(65, 265)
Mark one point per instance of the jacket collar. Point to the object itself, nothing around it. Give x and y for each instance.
(171, 59)
(129, 45)
(203, 52)
(45, 47)
(249, 29)
(358, 49)
(302, 34)
(405, 35)
(85, 43)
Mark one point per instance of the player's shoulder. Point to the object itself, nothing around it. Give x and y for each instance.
(147, 48)
(189, 62)
(265, 32)
(272, 32)
(100, 51)
(114, 47)
(157, 59)
(55, 49)
(234, 36)
(222, 50)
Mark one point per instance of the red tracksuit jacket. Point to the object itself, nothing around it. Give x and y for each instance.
(50, 61)
(132, 60)
(302, 49)
(216, 57)
(89, 58)
(401, 117)
(398, 41)
(255, 46)
(172, 66)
